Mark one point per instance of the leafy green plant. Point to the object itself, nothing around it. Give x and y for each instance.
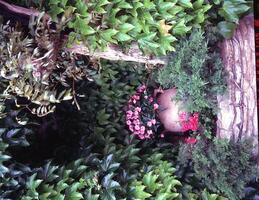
(224, 166)
(39, 72)
(154, 25)
(197, 75)
(12, 174)
(73, 181)
(228, 14)
(156, 181)
(104, 151)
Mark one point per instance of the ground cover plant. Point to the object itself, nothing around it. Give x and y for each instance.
(78, 127)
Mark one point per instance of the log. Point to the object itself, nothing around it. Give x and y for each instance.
(112, 52)
(115, 53)
(237, 115)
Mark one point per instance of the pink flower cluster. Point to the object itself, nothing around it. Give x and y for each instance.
(189, 122)
(142, 129)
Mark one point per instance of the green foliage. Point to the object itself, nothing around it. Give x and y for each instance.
(37, 68)
(105, 153)
(205, 195)
(196, 73)
(156, 181)
(73, 181)
(224, 166)
(230, 11)
(12, 174)
(154, 25)
(3, 157)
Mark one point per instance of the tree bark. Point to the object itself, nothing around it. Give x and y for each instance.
(237, 116)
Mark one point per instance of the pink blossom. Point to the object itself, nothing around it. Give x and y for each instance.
(135, 117)
(162, 135)
(153, 121)
(156, 106)
(145, 97)
(151, 99)
(149, 124)
(142, 131)
(128, 122)
(137, 127)
(136, 122)
(129, 112)
(141, 88)
(138, 109)
(136, 97)
(131, 128)
(149, 132)
(136, 113)
(135, 133)
(147, 136)
(142, 128)
(128, 117)
(141, 137)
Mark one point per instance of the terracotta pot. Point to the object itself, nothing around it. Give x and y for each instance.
(169, 110)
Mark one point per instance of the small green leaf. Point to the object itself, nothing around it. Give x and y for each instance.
(108, 34)
(81, 8)
(149, 180)
(180, 28)
(126, 27)
(124, 4)
(226, 29)
(139, 192)
(54, 2)
(76, 196)
(123, 37)
(198, 4)
(55, 11)
(185, 3)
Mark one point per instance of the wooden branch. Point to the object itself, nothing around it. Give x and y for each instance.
(112, 52)
(237, 116)
(115, 53)
(18, 9)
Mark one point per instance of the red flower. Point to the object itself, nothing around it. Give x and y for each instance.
(190, 140)
(189, 124)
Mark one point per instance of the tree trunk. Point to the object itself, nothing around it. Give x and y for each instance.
(237, 116)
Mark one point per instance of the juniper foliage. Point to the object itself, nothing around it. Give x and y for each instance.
(196, 73)
(224, 166)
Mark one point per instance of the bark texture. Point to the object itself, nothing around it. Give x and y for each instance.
(237, 116)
